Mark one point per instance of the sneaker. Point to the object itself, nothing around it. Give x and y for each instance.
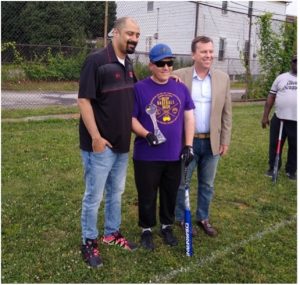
(117, 239)
(167, 235)
(182, 226)
(291, 176)
(147, 240)
(269, 173)
(90, 253)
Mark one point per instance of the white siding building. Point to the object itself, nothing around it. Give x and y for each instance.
(176, 23)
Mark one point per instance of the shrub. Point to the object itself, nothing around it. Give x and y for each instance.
(58, 67)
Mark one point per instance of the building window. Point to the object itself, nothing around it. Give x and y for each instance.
(150, 5)
(221, 49)
(224, 7)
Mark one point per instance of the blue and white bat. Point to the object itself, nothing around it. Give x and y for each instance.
(187, 215)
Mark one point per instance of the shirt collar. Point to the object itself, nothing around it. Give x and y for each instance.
(112, 56)
(195, 75)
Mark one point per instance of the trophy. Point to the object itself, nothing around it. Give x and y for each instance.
(151, 111)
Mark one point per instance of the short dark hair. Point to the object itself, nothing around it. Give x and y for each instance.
(201, 39)
(121, 22)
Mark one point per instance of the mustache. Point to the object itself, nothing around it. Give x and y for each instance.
(132, 43)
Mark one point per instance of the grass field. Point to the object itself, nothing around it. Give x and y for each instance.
(42, 189)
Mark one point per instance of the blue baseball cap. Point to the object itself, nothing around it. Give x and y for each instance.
(159, 52)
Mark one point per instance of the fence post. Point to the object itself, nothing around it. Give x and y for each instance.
(105, 23)
(248, 70)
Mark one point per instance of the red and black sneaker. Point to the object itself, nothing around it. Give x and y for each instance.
(117, 239)
(90, 253)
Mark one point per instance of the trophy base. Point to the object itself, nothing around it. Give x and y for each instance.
(160, 137)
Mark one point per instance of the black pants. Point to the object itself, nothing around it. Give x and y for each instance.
(151, 177)
(290, 132)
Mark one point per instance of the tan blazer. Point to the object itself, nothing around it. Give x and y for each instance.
(221, 114)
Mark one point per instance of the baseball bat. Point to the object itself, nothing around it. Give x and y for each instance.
(187, 215)
(276, 164)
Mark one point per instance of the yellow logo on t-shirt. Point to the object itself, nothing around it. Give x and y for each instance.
(168, 106)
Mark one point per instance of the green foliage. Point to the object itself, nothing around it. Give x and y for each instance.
(275, 53)
(41, 196)
(57, 22)
(11, 47)
(289, 44)
(141, 70)
(54, 22)
(58, 67)
(11, 25)
(96, 15)
(44, 67)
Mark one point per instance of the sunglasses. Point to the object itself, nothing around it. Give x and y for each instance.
(294, 60)
(163, 63)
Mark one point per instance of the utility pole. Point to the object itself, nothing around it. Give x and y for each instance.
(105, 23)
(247, 56)
(156, 35)
(196, 20)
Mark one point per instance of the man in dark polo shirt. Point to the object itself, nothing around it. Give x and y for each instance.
(105, 101)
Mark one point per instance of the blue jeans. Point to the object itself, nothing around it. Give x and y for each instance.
(206, 164)
(105, 170)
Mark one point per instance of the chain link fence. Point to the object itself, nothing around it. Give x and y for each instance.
(38, 37)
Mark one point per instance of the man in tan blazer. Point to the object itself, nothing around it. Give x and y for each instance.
(210, 91)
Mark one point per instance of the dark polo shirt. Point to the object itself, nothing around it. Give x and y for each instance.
(109, 86)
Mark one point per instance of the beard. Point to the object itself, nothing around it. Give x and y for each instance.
(130, 47)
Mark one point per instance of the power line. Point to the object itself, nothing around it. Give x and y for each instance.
(238, 12)
(258, 10)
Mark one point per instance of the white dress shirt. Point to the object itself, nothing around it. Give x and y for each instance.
(201, 95)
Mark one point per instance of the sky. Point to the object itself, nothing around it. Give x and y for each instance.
(292, 8)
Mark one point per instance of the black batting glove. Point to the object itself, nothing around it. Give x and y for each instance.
(152, 139)
(187, 154)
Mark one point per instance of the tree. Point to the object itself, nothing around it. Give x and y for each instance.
(11, 27)
(54, 22)
(58, 23)
(95, 22)
(274, 55)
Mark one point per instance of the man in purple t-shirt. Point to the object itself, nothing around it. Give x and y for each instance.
(156, 163)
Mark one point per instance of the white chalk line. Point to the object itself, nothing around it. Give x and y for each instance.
(220, 253)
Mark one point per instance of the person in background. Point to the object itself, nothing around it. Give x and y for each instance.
(106, 100)
(284, 94)
(210, 90)
(157, 166)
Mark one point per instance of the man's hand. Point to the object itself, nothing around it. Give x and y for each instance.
(176, 78)
(265, 122)
(223, 149)
(99, 143)
(187, 154)
(152, 139)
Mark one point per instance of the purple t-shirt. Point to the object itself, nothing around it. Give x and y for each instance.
(171, 100)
